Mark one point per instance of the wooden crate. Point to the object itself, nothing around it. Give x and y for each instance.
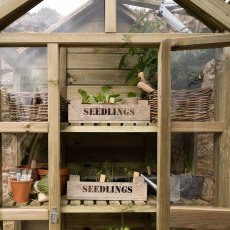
(107, 112)
(106, 190)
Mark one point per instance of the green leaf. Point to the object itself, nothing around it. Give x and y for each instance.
(134, 81)
(132, 94)
(114, 95)
(122, 61)
(132, 73)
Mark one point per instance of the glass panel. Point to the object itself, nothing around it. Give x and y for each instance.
(137, 16)
(192, 162)
(23, 80)
(62, 16)
(193, 79)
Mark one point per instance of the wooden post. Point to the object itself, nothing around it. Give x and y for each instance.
(54, 135)
(222, 144)
(110, 15)
(163, 136)
(1, 192)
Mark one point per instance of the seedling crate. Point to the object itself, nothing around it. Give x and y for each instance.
(108, 112)
(78, 190)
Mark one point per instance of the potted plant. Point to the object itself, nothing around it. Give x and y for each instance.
(64, 175)
(75, 172)
(191, 184)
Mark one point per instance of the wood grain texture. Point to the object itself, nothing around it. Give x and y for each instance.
(97, 61)
(54, 131)
(14, 9)
(107, 112)
(163, 136)
(213, 13)
(23, 214)
(93, 39)
(96, 77)
(199, 218)
(106, 191)
(24, 127)
(110, 16)
(223, 113)
(201, 42)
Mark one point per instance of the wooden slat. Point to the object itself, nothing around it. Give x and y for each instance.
(215, 127)
(54, 132)
(97, 50)
(14, 9)
(63, 66)
(201, 42)
(23, 214)
(163, 136)
(23, 127)
(96, 77)
(199, 218)
(110, 16)
(213, 13)
(98, 61)
(109, 129)
(95, 39)
(222, 152)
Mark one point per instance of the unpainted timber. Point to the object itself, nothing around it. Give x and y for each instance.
(214, 13)
(54, 132)
(96, 39)
(11, 10)
(223, 151)
(201, 42)
(163, 136)
(24, 214)
(199, 217)
(118, 127)
(23, 127)
(110, 16)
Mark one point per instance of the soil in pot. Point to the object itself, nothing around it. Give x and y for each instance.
(64, 174)
(21, 190)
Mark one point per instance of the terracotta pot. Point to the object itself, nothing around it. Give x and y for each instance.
(64, 174)
(21, 190)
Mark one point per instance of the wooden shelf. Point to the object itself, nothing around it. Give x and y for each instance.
(23, 127)
(90, 206)
(24, 213)
(213, 127)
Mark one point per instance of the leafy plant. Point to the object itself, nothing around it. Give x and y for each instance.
(129, 174)
(98, 172)
(84, 95)
(107, 169)
(132, 94)
(104, 96)
(76, 169)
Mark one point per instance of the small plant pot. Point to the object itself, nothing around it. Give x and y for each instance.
(64, 175)
(194, 189)
(73, 177)
(21, 190)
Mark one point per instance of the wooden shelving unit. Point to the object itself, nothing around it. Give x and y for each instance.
(180, 216)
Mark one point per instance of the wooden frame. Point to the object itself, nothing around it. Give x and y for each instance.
(164, 127)
(179, 40)
(54, 133)
(110, 16)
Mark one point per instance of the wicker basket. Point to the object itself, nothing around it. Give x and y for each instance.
(27, 106)
(186, 105)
